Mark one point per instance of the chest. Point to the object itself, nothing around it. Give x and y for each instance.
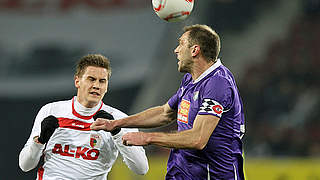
(74, 138)
(188, 106)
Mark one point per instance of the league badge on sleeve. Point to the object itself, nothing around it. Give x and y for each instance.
(211, 107)
(95, 140)
(195, 95)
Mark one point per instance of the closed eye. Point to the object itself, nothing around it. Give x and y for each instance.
(91, 78)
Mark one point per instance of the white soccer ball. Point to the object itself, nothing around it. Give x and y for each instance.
(173, 10)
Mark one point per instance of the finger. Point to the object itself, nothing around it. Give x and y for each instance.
(128, 143)
(127, 135)
(96, 127)
(124, 142)
(100, 121)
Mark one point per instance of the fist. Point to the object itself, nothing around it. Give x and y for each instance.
(135, 139)
(102, 122)
(48, 126)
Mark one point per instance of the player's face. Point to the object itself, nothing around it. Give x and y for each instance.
(92, 86)
(184, 56)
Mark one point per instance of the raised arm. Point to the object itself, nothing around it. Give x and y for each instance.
(152, 117)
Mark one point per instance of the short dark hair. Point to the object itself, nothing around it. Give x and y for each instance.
(96, 60)
(207, 38)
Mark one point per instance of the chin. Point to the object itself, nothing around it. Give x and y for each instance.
(183, 70)
(93, 100)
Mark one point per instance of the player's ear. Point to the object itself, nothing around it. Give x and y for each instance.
(77, 81)
(195, 50)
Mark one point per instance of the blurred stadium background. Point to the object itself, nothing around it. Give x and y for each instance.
(271, 46)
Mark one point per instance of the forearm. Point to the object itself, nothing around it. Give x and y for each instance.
(188, 139)
(153, 117)
(30, 156)
(195, 138)
(133, 156)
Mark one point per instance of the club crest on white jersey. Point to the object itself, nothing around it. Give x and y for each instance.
(95, 140)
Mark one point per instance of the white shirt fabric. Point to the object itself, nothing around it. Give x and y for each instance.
(76, 152)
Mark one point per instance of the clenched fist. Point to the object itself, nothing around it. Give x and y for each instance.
(104, 121)
(48, 126)
(135, 139)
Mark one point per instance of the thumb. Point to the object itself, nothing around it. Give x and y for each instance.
(97, 125)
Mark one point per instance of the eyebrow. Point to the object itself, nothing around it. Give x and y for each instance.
(96, 78)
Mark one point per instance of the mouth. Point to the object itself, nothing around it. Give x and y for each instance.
(94, 93)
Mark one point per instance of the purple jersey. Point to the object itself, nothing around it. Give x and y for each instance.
(213, 93)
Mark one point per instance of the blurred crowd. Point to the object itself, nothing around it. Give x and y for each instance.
(281, 93)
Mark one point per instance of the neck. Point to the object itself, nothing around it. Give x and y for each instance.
(86, 104)
(84, 110)
(199, 67)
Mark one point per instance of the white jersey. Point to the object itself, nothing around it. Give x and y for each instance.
(76, 152)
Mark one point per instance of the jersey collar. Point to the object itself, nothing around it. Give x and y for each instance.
(82, 112)
(209, 70)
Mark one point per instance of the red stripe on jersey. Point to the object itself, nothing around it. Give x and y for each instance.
(40, 173)
(74, 124)
(74, 112)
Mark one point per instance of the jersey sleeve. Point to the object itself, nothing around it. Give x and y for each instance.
(133, 156)
(216, 97)
(31, 152)
(174, 100)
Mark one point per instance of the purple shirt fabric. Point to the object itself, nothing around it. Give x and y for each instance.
(213, 93)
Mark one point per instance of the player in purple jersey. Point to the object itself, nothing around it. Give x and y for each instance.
(208, 110)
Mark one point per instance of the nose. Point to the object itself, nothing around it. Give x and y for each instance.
(96, 85)
(176, 50)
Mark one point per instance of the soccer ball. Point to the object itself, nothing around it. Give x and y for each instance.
(173, 10)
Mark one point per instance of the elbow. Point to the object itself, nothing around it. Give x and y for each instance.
(199, 144)
(139, 166)
(23, 167)
(166, 121)
(24, 164)
(144, 170)
(168, 118)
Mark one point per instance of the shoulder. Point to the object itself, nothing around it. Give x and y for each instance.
(219, 82)
(187, 78)
(116, 113)
(56, 105)
(222, 76)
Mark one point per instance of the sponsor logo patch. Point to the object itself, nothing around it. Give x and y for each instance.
(183, 111)
(76, 152)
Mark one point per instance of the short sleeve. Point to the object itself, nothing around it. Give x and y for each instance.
(216, 97)
(174, 100)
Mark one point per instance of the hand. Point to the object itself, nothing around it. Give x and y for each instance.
(106, 125)
(135, 139)
(48, 126)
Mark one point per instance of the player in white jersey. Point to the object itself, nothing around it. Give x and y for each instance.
(61, 132)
